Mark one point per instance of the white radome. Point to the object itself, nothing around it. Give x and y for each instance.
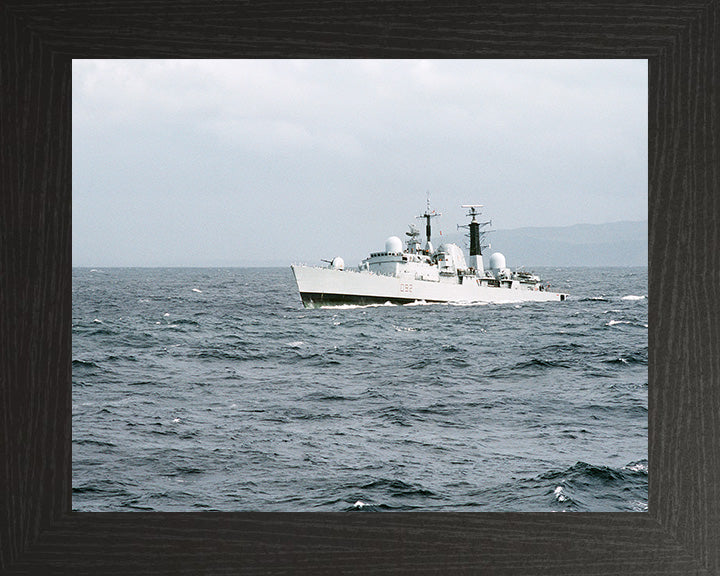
(393, 244)
(497, 261)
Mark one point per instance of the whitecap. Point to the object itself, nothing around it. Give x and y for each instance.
(559, 495)
(636, 467)
(359, 505)
(97, 321)
(295, 343)
(614, 322)
(403, 329)
(468, 303)
(196, 290)
(633, 297)
(353, 306)
(166, 315)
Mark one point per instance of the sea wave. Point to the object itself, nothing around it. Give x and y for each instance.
(427, 407)
(580, 486)
(84, 364)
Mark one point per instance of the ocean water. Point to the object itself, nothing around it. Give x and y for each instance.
(214, 389)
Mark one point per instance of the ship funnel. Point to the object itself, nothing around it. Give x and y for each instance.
(476, 235)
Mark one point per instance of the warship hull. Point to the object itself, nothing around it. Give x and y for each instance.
(320, 287)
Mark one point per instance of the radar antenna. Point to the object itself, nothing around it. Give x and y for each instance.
(413, 243)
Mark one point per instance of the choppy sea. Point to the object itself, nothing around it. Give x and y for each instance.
(214, 389)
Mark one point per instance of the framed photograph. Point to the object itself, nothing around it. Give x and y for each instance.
(671, 532)
(430, 374)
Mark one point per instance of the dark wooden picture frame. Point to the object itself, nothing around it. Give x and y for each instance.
(680, 534)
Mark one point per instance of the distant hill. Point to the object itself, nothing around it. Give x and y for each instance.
(612, 244)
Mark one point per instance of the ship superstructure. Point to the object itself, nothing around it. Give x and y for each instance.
(422, 274)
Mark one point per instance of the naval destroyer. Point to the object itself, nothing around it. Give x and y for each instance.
(422, 274)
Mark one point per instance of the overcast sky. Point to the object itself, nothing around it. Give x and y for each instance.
(192, 163)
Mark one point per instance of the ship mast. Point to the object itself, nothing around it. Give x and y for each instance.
(476, 261)
(428, 215)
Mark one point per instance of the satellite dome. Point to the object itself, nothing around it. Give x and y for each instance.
(393, 244)
(497, 261)
(337, 263)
